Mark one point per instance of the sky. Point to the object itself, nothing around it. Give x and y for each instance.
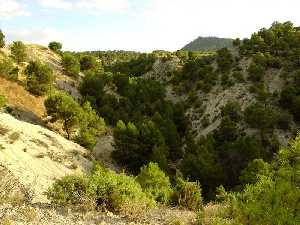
(138, 25)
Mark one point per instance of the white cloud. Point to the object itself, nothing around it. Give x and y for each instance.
(170, 24)
(35, 36)
(59, 4)
(101, 6)
(160, 24)
(88, 6)
(12, 8)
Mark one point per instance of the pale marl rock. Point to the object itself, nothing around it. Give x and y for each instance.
(37, 156)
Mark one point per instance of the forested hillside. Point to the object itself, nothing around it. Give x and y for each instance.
(208, 44)
(209, 132)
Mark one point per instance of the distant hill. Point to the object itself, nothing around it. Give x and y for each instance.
(208, 44)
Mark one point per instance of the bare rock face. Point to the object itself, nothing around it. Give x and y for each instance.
(162, 68)
(34, 156)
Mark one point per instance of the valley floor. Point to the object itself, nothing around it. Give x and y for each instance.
(47, 215)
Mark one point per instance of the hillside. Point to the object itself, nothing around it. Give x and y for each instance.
(208, 44)
(27, 148)
(160, 136)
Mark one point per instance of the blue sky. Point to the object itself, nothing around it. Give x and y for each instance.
(140, 25)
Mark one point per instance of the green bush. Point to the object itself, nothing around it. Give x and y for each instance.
(88, 62)
(39, 78)
(256, 72)
(69, 190)
(91, 126)
(74, 117)
(55, 46)
(118, 192)
(71, 65)
(6, 68)
(2, 39)
(260, 116)
(205, 87)
(155, 183)
(225, 60)
(274, 197)
(105, 188)
(136, 146)
(187, 194)
(2, 101)
(238, 76)
(255, 168)
(14, 74)
(233, 110)
(18, 51)
(226, 80)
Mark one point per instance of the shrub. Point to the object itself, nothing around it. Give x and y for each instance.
(283, 120)
(91, 126)
(238, 76)
(62, 107)
(260, 116)
(187, 194)
(224, 60)
(255, 168)
(135, 145)
(205, 87)
(7, 69)
(205, 122)
(236, 42)
(155, 183)
(233, 110)
(226, 80)
(228, 130)
(118, 192)
(70, 64)
(88, 62)
(14, 137)
(55, 46)
(2, 39)
(2, 101)
(274, 198)
(256, 72)
(69, 190)
(18, 51)
(14, 74)
(39, 78)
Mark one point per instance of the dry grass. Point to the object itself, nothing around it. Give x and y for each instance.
(40, 155)
(3, 130)
(6, 221)
(18, 96)
(29, 213)
(14, 137)
(40, 143)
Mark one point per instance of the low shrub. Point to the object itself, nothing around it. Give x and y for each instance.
(118, 192)
(256, 72)
(2, 101)
(39, 78)
(69, 190)
(155, 183)
(187, 194)
(7, 69)
(105, 188)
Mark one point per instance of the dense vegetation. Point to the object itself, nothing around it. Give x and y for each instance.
(147, 128)
(272, 196)
(153, 139)
(39, 78)
(18, 51)
(122, 193)
(208, 44)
